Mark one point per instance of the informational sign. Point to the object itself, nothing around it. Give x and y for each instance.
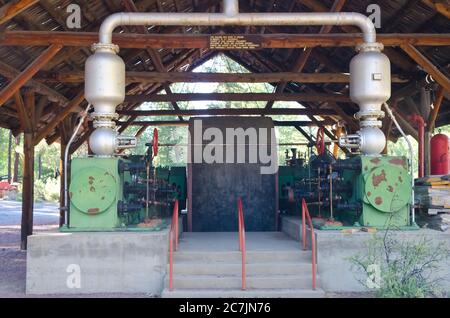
(233, 42)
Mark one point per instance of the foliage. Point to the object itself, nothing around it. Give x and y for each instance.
(47, 190)
(407, 268)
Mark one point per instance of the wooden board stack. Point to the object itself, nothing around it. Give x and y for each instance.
(433, 192)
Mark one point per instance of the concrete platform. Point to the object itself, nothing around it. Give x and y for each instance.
(90, 263)
(334, 249)
(209, 265)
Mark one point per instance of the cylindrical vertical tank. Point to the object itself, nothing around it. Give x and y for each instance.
(440, 154)
(370, 79)
(105, 79)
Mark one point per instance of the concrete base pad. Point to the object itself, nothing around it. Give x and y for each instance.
(334, 249)
(90, 263)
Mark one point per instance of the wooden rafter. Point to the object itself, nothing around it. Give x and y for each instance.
(427, 65)
(13, 8)
(285, 97)
(443, 7)
(150, 123)
(8, 91)
(75, 102)
(152, 53)
(230, 112)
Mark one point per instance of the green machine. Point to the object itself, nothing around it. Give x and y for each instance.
(381, 190)
(369, 191)
(96, 194)
(111, 193)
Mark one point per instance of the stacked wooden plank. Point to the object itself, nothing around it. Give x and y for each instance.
(433, 192)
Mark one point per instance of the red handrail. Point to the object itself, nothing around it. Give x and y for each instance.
(173, 233)
(305, 214)
(242, 242)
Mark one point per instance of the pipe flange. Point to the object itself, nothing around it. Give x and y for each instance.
(105, 47)
(370, 47)
(105, 116)
(104, 124)
(369, 114)
(371, 123)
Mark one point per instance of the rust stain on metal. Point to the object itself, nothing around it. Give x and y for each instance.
(369, 194)
(375, 161)
(92, 189)
(378, 200)
(400, 178)
(102, 198)
(377, 179)
(398, 162)
(93, 210)
(390, 189)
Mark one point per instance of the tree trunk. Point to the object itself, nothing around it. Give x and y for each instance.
(40, 167)
(15, 177)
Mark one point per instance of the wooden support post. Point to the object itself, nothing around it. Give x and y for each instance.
(10, 89)
(425, 109)
(28, 189)
(436, 107)
(63, 142)
(9, 155)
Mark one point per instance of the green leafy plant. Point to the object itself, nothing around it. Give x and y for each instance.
(407, 268)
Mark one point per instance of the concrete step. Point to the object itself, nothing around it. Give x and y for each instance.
(235, 256)
(235, 282)
(249, 293)
(253, 269)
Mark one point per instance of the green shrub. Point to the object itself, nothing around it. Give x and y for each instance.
(407, 268)
(47, 190)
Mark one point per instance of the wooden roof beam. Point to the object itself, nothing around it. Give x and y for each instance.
(13, 8)
(75, 102)
(248, 97)
(229, 112)
(149, 123)
(9, 90)
(194, 77)
(427, 65)
(441, 7)
(202, 41)
(154, 56)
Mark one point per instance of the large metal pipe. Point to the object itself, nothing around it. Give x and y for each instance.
(370, 69)
(231, 16)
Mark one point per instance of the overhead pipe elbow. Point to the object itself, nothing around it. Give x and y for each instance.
(231, 16)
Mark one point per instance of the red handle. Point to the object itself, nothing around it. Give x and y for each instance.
(155, 142)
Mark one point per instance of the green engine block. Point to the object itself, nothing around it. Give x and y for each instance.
(95, 190)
